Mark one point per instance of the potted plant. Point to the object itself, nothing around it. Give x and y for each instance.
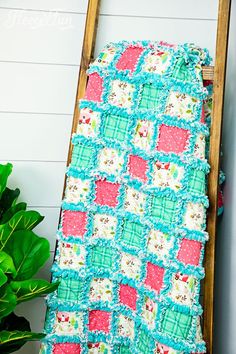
(22, 254)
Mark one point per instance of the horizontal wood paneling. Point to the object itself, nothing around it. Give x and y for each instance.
(160, 8)
(41, 183)
(200, 32)
(33, 36)
(47, 5)
(153, 8)
(41, 88)
(34, 136)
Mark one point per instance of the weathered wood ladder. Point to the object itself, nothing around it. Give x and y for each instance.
(217, 75)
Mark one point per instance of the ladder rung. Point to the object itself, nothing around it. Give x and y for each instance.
(208, 72)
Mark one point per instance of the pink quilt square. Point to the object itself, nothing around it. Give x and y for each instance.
(154, 277)
(99, 320)
(189, 252)
(94, 88)
(172, 139)
(74, 223)
(138, 167)
(129, 58)
(128, 296)
(107, 193)
(66, 348)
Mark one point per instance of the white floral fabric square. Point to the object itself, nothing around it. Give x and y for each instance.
(88, 123)
(125, 326)
(68, 323)
(77, 190)
(104, 226)
(167, 175)
(160, 244)
(134, 201)
(111, 161)
(149, 312)
(181, 105)
(183, 289)
(106, 56)
(200, 147)
(156, 62)
(194, 216)
(121, 94)
(143, 134)
(130, 266)
(101, 289)
(71, 255)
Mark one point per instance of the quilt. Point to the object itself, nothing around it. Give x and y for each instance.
(132, 232)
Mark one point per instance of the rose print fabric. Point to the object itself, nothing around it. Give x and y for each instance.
(132, 233)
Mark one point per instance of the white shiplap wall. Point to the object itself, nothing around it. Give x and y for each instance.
(39, 63)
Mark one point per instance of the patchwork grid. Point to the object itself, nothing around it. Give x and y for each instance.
(117, 282)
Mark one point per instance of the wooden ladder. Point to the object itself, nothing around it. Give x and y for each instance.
(217, 75)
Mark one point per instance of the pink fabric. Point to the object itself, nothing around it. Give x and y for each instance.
(172, 139)
(99, 320)
(154, 277)
(129, 58)
(138, 167)
(107, 193)
(66, 348)
(94, 88)
(189, 252)
(203, 115)
(74, 223)
(128, 296)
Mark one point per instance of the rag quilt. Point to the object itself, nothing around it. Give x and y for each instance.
(131, 238)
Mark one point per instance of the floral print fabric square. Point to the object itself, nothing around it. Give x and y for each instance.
(71, 255)
(104, 226)
(143, 135)
(69, 323)
(167, 175)
(181, 105)
(157, 62)
(101, 290)
(111, 161)
(88, 122)
(77, 190)
(121, 94)
(132, 231)
(134, 201)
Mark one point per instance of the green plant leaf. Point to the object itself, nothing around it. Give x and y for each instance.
(28, 289)
(7, 301)
(10, 341)
(29, 253)
(5, 171)
(3, 278)
(12, 211)
(6, 264)
(22, 220)
(8, 199)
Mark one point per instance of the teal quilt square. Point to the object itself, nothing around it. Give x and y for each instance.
(197, 182)
(116, 127)
(102, 257)
(132, 234)
(163, 208)
(82, 156)
(143, 342)
(70, 290)
(176, 324)
(150, 97)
